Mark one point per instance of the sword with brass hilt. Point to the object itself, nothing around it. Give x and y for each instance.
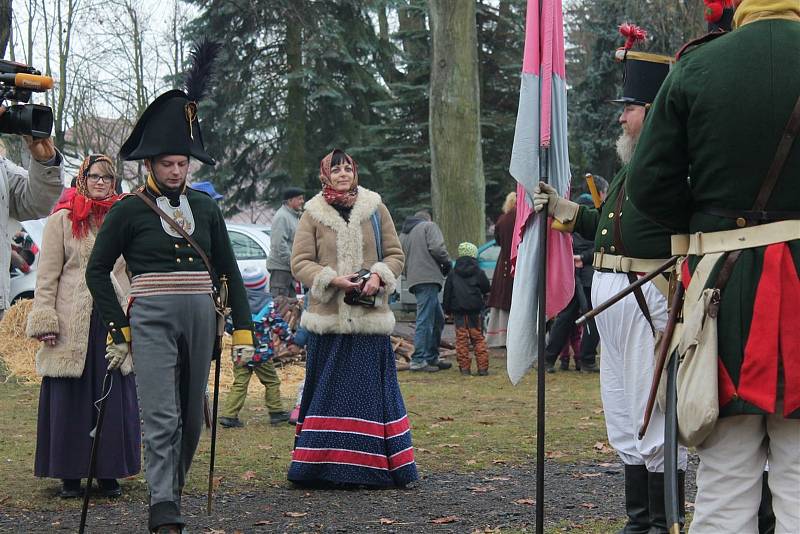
(222, 311)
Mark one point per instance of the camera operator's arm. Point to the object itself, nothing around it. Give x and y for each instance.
(33, 193)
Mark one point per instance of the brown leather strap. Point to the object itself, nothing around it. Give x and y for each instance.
(767, 186)
(620, 246)
(784, 147)
(178, 228)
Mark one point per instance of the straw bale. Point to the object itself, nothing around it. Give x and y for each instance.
(17, 351)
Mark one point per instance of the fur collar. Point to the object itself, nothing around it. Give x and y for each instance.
(322, 212)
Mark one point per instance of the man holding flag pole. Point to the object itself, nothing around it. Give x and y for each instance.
(629, 330)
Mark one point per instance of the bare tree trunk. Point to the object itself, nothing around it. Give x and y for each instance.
(5, 26)
(295, 102)
(65, 25)
(457, 181)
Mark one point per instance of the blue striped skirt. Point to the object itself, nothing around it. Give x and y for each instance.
(353, 427)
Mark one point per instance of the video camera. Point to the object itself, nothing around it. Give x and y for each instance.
(17, 83)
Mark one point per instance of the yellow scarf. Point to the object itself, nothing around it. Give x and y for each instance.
(753, 10)
(153, 185)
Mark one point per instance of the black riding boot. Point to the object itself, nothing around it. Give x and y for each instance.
(636, 502)
(658, 513)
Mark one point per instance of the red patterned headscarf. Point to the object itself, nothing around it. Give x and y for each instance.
(344, 199)
(83, 209)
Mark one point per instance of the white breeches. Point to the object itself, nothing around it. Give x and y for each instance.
(627, 364)
(732, 460)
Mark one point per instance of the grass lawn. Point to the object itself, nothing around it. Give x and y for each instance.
(458, 424)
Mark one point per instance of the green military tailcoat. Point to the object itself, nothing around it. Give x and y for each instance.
(133, 230)
(650, 240)
(718, 119)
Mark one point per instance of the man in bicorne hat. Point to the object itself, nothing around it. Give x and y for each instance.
(172, 324)
(629, 329)
(721, 117)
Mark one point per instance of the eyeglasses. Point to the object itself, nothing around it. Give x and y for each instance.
(95, 178)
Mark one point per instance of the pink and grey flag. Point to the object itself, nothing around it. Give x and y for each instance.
(541, 121)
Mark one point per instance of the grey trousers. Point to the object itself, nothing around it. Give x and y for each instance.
(281, 283)
(172, 343)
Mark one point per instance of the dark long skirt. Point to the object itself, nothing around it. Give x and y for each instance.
(67, 414)
(353, 427)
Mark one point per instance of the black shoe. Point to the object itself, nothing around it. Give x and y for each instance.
(637, 503)
(589, 369)
(465, 372)
(565, 366)
(276, 418)
(425, 368)
(550, 368)
(70, 488)
(441, 364)
(109, 488)
(230, 422)
(483, 372)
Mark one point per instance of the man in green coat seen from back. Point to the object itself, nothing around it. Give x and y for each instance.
(718, 119)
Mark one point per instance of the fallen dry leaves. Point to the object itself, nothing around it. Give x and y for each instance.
(586, 475)
(445, 519)
(295, 514)
(248, 475)
(527, 502)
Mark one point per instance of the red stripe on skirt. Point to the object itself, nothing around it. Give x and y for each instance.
(402, 458)
(340, 456)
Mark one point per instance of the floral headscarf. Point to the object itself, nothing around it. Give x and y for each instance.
(344, 199)
(83, 209)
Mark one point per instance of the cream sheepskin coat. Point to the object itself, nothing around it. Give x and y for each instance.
(62, 303)
(325, 246)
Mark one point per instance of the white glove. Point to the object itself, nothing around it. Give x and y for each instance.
(243, 353)
(541, 197)
(558, 207)
(116, 354)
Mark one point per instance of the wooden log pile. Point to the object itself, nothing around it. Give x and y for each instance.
(291, 309)
(403, 348)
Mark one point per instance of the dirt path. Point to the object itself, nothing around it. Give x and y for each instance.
(501, 498)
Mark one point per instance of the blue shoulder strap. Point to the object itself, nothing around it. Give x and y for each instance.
(376, 227)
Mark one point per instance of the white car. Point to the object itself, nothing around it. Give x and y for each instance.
(23, 284)
(250, 243)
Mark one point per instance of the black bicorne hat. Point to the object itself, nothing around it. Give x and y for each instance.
(643, 74)
(170, 124)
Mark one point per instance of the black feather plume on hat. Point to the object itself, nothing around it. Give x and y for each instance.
(203, 54)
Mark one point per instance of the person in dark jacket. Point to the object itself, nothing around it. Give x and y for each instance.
(464, 297)
(583, 251)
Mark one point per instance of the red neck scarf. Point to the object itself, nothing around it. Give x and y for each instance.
(344, 199)
(84, 210)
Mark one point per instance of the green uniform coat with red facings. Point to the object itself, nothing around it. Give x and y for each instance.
(718, 119)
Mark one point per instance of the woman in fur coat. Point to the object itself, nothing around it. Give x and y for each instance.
(353, 428)
(71, 359)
